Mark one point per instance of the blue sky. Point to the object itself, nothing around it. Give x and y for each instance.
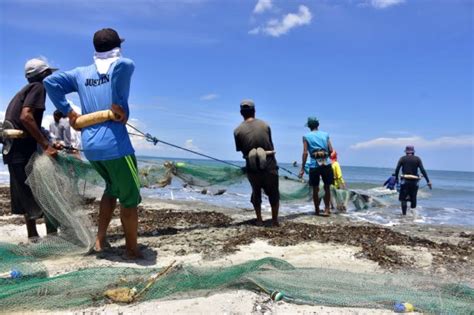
(379, 74)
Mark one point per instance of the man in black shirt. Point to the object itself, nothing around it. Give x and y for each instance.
(409, 164)
(25, 112)
(253, 138)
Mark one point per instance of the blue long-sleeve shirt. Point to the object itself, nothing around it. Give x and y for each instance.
(391, 182)
(104, 141)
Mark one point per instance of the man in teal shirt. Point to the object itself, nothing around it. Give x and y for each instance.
(319, 147)
(105, 84)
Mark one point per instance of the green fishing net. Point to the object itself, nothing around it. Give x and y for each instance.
(60, 187)
(318, 286)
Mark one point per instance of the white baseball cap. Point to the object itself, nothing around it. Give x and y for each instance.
(35, 66)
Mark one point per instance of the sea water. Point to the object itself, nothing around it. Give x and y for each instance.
(451, 202)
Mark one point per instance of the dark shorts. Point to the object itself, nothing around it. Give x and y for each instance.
(324, 172)
(121, 179)
(408, 192)
(268, 181)
(22, 200)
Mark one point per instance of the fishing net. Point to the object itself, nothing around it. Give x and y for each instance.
(155, 176)
(93, 287)
(205, 175)
(59, 188)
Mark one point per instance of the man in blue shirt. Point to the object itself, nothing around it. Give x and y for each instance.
(103, 85)
(319, 147)
(391, 182)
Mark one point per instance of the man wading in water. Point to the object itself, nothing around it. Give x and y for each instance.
(105, 85)
(254, 139)
(319, 147)
(409, 164)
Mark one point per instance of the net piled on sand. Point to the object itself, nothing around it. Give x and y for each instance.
(87, 287)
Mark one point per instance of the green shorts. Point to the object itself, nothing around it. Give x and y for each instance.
(121, 179)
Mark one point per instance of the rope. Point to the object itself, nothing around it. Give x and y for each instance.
(70, 147)
(288, 171)
(148, 137)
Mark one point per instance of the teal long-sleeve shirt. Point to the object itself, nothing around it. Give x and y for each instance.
(108, 140)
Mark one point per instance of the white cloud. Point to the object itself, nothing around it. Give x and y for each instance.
(254, 31)
(383, 4)
(188, 144)
(209, 97)
(442, 142)
(276, 28)
(262, 6)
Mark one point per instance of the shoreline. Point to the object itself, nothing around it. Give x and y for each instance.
(200, 234)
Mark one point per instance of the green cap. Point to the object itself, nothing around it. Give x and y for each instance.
(312, 121)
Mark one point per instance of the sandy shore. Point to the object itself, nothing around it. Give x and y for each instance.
(203, 235)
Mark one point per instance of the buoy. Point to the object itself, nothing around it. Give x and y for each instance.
(13, 274)
(94, 118)
(277, 296)
(403, 307)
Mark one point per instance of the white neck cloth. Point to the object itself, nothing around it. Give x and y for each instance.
(103, 60)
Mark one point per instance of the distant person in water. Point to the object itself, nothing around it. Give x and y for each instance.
(391, 182)
(316, 143)
(295, 164)
(409, 164)
(254, 139)
(338, 180)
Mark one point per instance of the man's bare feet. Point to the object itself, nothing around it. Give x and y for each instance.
(275, 224)
(326, 213)
(259, 222)
(317, 212)
(101, 245)
(132, 255)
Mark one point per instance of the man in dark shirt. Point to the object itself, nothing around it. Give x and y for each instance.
(409, 164)
(253, 138)
(25, 112)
